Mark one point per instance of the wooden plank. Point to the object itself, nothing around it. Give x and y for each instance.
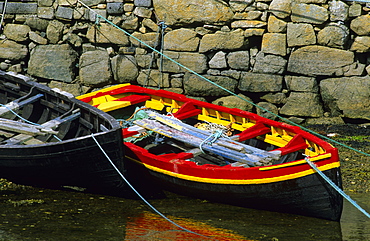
(50, 125)
(252, 160)
(203, 134)
(16, 104)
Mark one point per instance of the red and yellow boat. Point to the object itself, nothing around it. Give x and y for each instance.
(222, 154)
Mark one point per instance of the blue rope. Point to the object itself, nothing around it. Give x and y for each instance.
(340, 191)
(25, 120)
(217, 134)
(139, 195)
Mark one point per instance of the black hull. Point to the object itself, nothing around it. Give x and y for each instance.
(69, 158)
(306, 196)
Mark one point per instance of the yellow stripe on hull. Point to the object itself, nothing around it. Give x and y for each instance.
(237, 182)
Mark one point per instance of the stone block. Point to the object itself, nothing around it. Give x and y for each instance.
(274, 43)
(115, 8)
(64, 13)
(21, 8)
(143, 3)
(45, 12)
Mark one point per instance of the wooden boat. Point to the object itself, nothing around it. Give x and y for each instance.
(259, 164)
(46, 139)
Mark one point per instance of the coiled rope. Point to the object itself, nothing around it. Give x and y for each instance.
(223, 88)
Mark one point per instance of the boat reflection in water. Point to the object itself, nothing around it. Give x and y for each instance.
(149, 226)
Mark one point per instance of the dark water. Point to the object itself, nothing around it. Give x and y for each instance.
(41, 214)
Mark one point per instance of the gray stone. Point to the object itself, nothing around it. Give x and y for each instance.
(45, 3)
(275, 25)
(107, 33)
(12, 50)
(275, 98)
(130, 22)
(17, 32)
(94, 15)
(115, 8)
(240, 6)
(54, 31)
(354, 10)
(233, 40)
(355, 69)
(185, 12)
(73, 39)
(91, 3)
(334, 35)
(319, 60)
(231, 73)
(300, 34)
(238, 60)
(281, 8)
(181, 40)
(349, 96)
(193, 61)
(360, 25)
(303, 104)
(95, 68)
(325, 121)
(143, 12)
(37, 23)
(255, 82)
(361, 44)
(74, 89)
(45, 12)
(35, 37)
(153, 78)
(274, 43)
(197, 86)
(21, 8)
(301, 84)
(267, 110)
(248, 24)
(338, 11)
(218, 61)
(146, 39)
(124, 68)
(269, 64)
(309, 13)
(56, 62)
(143, 3)
(241, 102)
(64, 13)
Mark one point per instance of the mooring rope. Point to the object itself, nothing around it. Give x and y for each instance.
(340, 191)
(139, 195)
(223, 88)
(27, 121)
(3, 14)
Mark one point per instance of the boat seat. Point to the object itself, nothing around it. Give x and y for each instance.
(187, 110)
(252, 132)
(28, 131)
(295, 144)
(16, 104)
(109, 105)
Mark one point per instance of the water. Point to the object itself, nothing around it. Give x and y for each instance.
(42, 214)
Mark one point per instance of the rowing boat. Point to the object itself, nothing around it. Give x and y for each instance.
(46, 139)
(222, 154)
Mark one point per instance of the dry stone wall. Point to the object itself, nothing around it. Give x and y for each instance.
(307, 60)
